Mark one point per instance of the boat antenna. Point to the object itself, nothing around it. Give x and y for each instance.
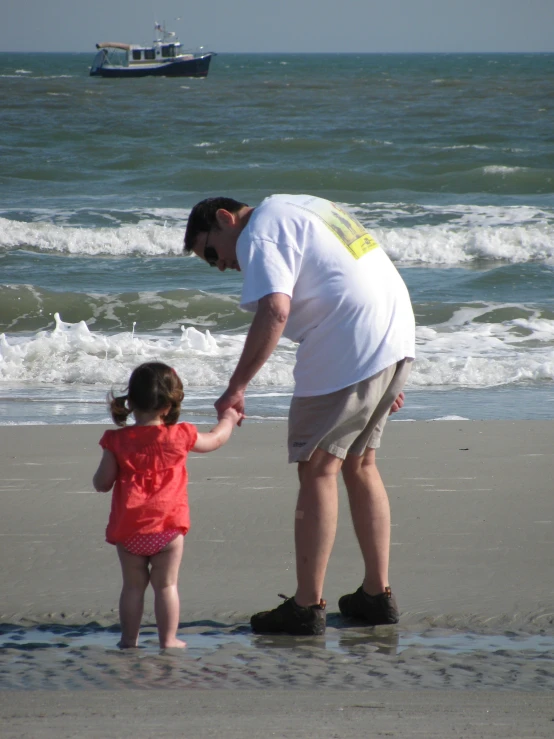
(164, 34)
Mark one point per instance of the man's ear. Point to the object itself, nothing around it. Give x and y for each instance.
(225, 218)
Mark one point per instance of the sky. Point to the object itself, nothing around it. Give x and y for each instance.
(284, 25)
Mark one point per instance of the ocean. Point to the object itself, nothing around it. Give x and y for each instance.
(448, 159)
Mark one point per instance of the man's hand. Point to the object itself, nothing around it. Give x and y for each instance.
(230, 399)
(398, 403)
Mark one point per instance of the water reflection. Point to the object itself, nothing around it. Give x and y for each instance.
(356, 643)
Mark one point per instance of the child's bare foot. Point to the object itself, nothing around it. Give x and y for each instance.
(173, 644)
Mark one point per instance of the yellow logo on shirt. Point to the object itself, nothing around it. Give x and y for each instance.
(345, 227)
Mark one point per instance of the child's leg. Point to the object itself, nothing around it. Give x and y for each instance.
(163, 576)
(131, 601)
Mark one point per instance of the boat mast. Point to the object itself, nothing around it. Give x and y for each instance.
(165, 35)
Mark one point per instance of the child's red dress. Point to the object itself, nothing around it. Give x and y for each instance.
(150, 493)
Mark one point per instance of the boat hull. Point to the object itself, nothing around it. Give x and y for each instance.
(195, 67)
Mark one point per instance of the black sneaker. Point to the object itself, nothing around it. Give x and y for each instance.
(290, 618)
(373, 609)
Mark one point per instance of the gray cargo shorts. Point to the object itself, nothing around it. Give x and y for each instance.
(348, 421)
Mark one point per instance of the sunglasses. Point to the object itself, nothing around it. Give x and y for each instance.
(210, 254)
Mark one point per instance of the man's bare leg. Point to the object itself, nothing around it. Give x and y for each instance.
(315, 524)
(370, 509)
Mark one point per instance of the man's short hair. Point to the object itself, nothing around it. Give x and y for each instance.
(203, 217)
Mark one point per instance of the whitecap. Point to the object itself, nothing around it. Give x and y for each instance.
(450, 418)
(72, 353)
(502, 169)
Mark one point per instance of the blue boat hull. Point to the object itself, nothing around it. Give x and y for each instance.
(196, 67)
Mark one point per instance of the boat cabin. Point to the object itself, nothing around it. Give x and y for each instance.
(153, 53)
(136, 55)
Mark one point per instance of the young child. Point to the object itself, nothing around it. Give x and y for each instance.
(146, 465)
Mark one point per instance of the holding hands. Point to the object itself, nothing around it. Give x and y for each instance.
(231, 401)
(232, 415)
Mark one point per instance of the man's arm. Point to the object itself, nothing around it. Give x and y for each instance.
(264, 333)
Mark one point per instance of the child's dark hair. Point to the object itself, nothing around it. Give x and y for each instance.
(153, 386)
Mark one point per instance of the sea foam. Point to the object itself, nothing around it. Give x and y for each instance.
(442, 244)
(410, 234)
(464, 351)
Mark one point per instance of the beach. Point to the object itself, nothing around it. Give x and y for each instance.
(471, 565)
(446, 160)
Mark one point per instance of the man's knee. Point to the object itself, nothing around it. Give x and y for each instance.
(321, 463)
(356, 466)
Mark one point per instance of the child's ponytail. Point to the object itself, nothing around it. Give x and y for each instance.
(119, 409)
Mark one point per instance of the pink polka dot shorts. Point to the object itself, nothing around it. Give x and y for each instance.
(147, 545)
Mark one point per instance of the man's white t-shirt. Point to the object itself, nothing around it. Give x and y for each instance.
(350, 309)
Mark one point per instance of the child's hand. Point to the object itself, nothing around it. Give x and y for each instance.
(220, 434)
(234, 416)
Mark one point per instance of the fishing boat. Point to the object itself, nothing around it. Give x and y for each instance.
(164, 58)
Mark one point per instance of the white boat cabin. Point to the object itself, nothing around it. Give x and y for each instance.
(159, 52)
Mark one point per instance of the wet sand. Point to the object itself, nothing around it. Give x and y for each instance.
(471, 563)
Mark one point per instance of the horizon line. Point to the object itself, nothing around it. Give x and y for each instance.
(349, 53)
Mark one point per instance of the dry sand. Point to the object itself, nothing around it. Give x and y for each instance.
(471, 564)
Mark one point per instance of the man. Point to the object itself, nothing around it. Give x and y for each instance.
(313, 273)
